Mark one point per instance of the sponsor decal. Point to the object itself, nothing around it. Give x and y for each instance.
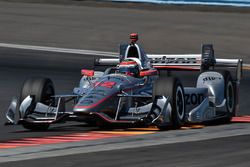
(211, 78)
(194, 98)
(166, 60)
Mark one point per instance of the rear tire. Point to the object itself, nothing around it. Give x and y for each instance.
(42, 89)
(173, 88)
(230, 95)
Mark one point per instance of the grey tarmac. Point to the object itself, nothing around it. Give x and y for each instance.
(100, 28)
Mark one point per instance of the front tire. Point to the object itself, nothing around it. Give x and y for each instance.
(172, 87)
(42, 89)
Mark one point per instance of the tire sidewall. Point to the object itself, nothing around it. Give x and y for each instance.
(230, 95)
(178, 118)
(180, 94)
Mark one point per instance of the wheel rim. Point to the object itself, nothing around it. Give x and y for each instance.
(180, 103)
(230, 97)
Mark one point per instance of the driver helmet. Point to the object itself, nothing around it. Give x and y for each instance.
(129, 67)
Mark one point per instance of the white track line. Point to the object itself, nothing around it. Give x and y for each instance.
(72, 51)
(59, 50)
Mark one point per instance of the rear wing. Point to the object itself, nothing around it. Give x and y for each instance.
(187, 62)
(196, 62)
(193, 62)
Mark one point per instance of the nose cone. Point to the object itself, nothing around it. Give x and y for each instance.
(90, 104)
(101, 97)
(96, 100)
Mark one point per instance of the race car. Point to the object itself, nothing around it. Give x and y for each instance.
(137, 89)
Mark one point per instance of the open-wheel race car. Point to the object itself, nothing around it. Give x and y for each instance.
(136, 89)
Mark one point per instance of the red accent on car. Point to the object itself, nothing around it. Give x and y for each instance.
(128, 63)
(134, 37)
(108, 84)
(110, 120)
(96, 84)
(129, 73)
(89, 73)
(148, 73)
(178, 68)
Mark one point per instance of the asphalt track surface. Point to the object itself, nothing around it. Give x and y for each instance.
(102, 29)
(191, 154)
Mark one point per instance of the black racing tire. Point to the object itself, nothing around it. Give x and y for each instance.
(230, 95)
(42, 89)
(173, 88)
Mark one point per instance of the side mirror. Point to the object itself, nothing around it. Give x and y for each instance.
(88, 73)
(148, 73)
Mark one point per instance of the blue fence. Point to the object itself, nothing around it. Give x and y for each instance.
(238, 3)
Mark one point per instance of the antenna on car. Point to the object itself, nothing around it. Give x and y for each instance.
(134, 38)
